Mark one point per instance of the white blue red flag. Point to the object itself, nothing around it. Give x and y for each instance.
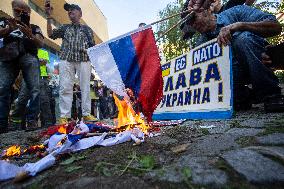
(131, 61)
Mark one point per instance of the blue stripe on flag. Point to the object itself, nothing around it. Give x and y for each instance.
(124, 54)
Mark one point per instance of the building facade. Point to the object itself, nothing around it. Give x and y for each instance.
(92, 16)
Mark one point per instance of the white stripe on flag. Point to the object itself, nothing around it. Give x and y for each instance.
(105, 66)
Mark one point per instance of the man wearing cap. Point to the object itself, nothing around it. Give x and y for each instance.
(76, 39)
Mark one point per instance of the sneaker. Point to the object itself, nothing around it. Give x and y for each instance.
(90, 118)
(32, 125)
(63, 121)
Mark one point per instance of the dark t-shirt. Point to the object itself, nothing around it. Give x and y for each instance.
(18, 35)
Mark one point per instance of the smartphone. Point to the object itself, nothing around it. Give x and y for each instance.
(276, 54)
(25, 18)
(47, 3)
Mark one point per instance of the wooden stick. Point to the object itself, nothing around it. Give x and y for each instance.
(174, 26)
(164, 19)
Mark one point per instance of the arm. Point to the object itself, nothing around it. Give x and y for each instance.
(49, 27)
(36, 38)
(264, 29)
(5, 31)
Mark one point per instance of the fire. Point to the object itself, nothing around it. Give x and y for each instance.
(13, 151)
(34, 149)
(62, 129)
(127, 117)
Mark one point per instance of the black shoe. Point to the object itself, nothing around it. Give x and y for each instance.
(32, 125)
(274, 103)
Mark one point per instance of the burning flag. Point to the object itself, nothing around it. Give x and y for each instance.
(131, 61)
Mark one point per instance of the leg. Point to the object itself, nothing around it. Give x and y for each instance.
(66, 81)
(22, 101)
(247, 48)
(8, 74)
(45, 107)
(30, 68)
(18, 117)
(84, 74)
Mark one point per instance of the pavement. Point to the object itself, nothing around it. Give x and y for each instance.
(244, 152)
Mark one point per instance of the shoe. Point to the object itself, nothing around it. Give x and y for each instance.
(63, 121)
(274, 103)
(90, 118)
(32, 125)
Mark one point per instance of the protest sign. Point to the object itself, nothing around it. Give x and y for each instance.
(198, 85)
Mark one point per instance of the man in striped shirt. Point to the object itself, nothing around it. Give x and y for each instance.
(76, 38)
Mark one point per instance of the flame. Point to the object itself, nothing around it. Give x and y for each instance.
(13, 151)
(127, 117)
(34, 149)
(62, 129)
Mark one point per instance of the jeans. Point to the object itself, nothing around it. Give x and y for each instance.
(45, 106)
(248, 69)
(9, 70)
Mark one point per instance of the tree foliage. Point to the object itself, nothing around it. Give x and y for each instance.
(173, 45)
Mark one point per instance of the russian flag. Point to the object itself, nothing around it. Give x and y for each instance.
(131, 61)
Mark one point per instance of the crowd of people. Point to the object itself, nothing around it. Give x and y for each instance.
(25, 82)
(40, 95)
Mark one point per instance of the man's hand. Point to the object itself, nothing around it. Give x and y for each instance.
(199, 5)
(225, 35)
(12, 24)
(27, 30)
(48, 10)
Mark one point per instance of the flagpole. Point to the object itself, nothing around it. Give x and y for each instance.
(164, 19)
(174, 26)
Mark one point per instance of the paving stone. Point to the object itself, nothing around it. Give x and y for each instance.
(165, 140)
(255, 167)
(252, 122)
(244, 131)
(277, 152)
(275, 139)
(215, 144)
(82, 182)
(203, 172)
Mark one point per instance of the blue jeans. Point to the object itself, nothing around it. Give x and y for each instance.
(9, 70)
(248, 69)
(45, 107)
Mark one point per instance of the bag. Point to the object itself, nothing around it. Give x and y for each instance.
(11, 51)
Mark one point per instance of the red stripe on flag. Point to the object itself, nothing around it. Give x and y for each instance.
(151, 90)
